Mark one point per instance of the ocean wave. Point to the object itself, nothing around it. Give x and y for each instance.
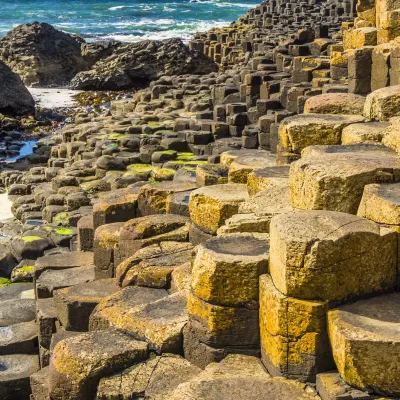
(227, 4)
(119, 8)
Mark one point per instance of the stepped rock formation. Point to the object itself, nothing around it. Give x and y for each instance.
(221, 235)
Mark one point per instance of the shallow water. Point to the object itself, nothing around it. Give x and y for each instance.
(25, 150)
(123, 19)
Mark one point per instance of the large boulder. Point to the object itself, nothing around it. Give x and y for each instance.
(14, 96)
(41, 54)
(134, 64)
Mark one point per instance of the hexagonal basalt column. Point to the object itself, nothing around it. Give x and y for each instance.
(223, 303)
(211, 206)
(330, 256)
(365, 340)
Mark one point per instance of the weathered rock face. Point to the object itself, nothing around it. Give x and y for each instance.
(42, 55)
(135, 64)
(14, 96)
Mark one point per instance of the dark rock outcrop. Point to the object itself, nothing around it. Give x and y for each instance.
(14, 96)
(134, 64)
(41, 54)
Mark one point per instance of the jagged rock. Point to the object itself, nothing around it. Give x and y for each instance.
(15, 97)
(41, 54)
(133, 64)
(365, 340)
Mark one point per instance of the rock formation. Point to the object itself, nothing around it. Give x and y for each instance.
(41, 54)
(228, 235)
(135, 65)
(14, 96)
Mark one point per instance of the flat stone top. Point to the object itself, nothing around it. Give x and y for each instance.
(153, 225)
(65, 260)
(375, 319)
(18, 333)
(240, 377)
(230, 192)
(278, 171)
(91, 291)
(367, 127)
(321, 119)
(133, 296)
(389, 192)
(348, 164)
(228, 156)
(17, 366)
(14, 291)
(254, 161)
(237, 246)
(94, 346)
(17, 311)
(383, 92)
(168, 186)
(310, 225)
(271, 201)
(358, 149)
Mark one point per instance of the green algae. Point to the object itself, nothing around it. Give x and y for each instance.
(4, 282)
(139, 167)
(61, 218)
(64, 231)
(48, 228)
(27, 268)
(29, 239)
(115, 136)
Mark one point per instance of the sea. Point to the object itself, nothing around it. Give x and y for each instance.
(124, 20)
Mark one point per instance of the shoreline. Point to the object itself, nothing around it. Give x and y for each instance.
(5, 207)
(211, 230)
